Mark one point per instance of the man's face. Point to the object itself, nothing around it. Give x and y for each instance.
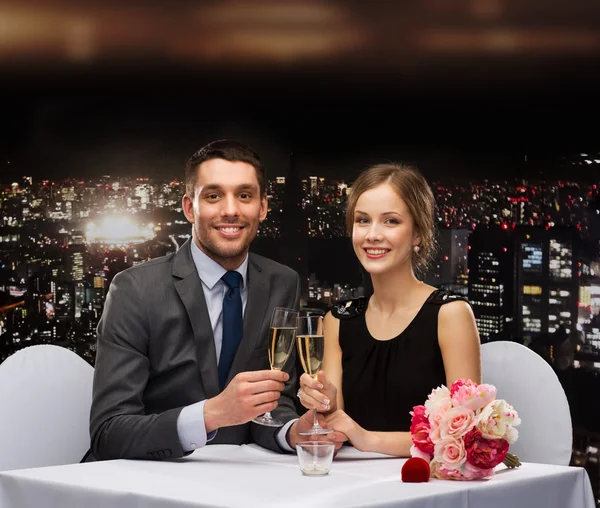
(225, 210)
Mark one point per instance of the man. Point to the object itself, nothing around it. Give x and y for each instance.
(182, 356)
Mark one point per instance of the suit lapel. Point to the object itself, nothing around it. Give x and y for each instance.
(189, 288)
(254, 316)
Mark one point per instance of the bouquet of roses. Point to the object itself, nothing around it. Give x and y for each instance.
(464, 432)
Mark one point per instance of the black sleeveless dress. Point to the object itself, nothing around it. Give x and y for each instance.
(383, 380)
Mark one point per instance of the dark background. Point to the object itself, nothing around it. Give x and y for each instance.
(464, 88)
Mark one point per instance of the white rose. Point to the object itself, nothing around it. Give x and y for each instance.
(438, 400)
(512, 436)
(415, 452)
(497, 421)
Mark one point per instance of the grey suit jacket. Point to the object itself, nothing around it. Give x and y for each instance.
(156, 355)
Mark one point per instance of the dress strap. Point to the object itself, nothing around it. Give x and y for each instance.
(443, 296)
(347, 309)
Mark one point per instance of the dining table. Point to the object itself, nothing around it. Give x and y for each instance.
(220, 476)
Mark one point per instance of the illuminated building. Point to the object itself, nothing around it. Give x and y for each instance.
(547, 287)
(490, 262)
(450, 263)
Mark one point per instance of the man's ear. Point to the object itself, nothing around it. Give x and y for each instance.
(264, 207)
(187, 204)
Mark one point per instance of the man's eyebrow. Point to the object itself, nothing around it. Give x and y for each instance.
(248, 186)
(211, 187)
(215, 186)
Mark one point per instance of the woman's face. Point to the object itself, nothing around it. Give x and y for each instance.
(383, 234)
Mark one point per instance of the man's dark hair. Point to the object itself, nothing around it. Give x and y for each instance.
(229, 150)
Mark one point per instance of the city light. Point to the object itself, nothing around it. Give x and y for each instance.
(118, 231)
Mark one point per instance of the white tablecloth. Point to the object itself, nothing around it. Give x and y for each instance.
(225, 476)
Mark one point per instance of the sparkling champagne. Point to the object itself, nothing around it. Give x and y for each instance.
(280, 347)
(311, 349)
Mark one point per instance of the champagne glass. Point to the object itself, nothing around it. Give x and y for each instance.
(281, 345)
(311, 347)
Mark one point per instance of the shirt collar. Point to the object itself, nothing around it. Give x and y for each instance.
(210, 272)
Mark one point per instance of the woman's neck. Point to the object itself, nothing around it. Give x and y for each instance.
(395, 291)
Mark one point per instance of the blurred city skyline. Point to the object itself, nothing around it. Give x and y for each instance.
(458, 44)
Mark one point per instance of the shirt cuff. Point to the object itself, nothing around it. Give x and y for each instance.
(281, 436)
(191, 429)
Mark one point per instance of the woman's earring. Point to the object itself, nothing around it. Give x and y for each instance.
(416, 248)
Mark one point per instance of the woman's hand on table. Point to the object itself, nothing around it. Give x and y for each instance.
(340, 422)
(304, 423)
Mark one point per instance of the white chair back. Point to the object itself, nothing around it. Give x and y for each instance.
(45, 399)
(526, 381)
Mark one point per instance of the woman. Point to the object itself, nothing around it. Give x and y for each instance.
(385, 355)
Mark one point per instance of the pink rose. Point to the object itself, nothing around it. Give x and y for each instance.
(439, 470)
(418, 415)
(419, 434)
(435, 419)
(420, 429)
(472, 396)
(450, 452)
(460, 383)
(456, 422)
(484, 453)
(471, 472)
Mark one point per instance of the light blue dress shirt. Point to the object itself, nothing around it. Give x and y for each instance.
(190, 423)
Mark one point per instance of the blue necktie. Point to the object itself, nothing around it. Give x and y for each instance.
(232, 324)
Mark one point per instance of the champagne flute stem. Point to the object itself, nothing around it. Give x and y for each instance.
(316, 424)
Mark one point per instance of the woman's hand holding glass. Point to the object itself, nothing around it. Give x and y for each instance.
(318, 393)
(311, 349)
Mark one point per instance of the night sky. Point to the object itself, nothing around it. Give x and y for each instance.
(148, 124)
(462, 89)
